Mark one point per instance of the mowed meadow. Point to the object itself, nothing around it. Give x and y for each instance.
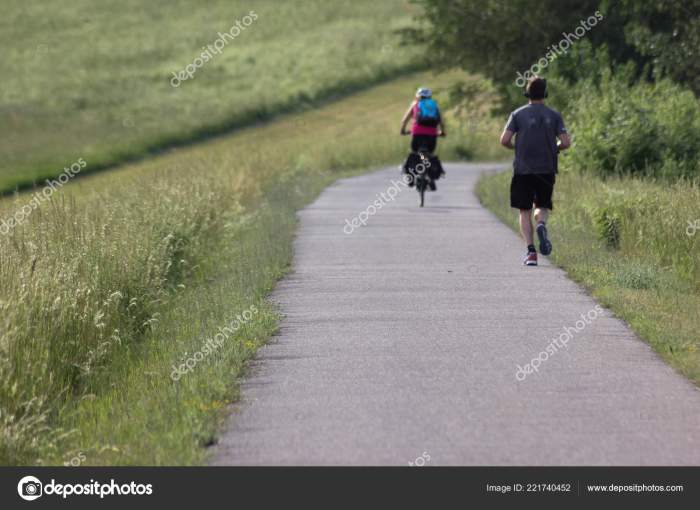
(93, 79)
(123, 275)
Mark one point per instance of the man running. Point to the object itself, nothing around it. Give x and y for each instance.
(535, 165)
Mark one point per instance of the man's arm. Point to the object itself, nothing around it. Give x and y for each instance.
(509, 131)
(507, 139)
(564, 141)
(564, 138)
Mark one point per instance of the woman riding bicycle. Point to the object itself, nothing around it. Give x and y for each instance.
(427, 121)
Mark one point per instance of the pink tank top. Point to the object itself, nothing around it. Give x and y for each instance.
(417, 129)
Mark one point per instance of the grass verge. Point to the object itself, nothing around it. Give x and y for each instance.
(626, 241)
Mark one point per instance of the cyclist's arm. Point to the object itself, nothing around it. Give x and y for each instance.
(406, 117)
(507, 139)
(441, 126)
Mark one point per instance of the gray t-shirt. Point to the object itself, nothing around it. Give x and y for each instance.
(536, 127)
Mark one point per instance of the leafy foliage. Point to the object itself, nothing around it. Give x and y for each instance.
(501, 37)
(667, 32)
(648, 129)
(496, 37)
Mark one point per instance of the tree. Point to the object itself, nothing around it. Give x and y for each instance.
(667, 32)
(497, 37)
(501, 38)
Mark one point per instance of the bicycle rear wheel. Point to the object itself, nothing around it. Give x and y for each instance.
(422, 184)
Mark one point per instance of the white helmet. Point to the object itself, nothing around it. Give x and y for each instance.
(424, 92)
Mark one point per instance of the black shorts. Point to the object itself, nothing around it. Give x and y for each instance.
(537, 189)
(418, 141)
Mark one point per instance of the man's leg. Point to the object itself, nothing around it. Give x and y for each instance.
(543, 206)
(526, 226)
(541, 215)
(522, 195)
(526, 230)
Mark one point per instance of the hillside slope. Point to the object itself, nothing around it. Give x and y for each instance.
(93, 80)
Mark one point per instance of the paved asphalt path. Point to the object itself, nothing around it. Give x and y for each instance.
(403, 337)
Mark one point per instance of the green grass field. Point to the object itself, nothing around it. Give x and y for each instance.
(92, 79)
(626, 241)
(124, 274)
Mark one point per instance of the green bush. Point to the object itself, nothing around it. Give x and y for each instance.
(608, 223)
(645, 129)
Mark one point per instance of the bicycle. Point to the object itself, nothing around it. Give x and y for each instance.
(420, 172)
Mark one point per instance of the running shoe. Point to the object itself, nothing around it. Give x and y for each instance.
(545, 244)
(530, 259)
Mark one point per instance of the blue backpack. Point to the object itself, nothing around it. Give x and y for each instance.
(428, 113)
